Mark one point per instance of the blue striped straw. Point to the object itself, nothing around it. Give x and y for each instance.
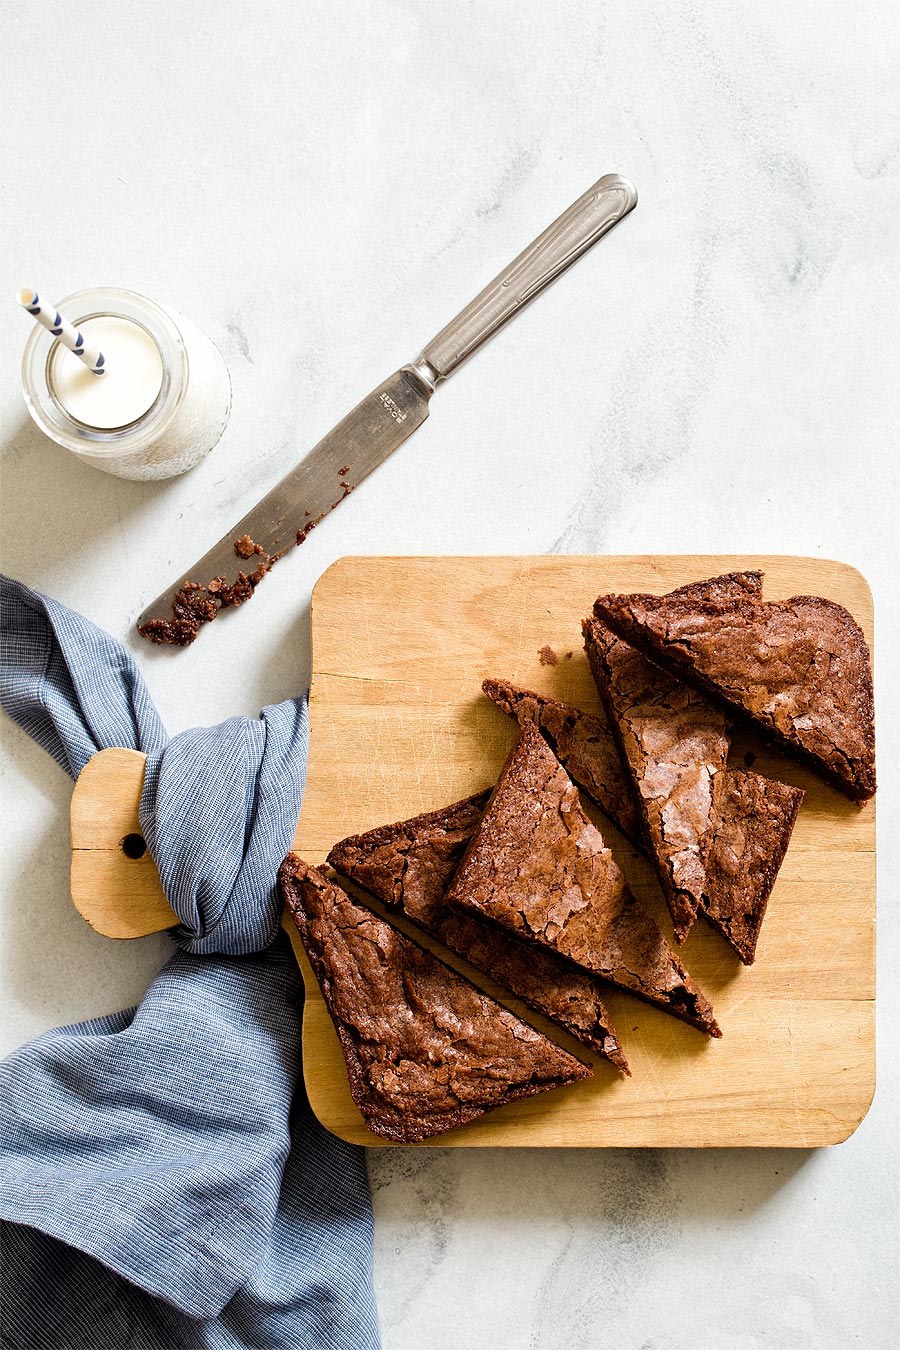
(69, 336)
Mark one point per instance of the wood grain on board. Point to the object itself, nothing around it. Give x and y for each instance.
(399, 726)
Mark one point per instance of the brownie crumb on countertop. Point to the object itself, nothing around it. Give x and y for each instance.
(409, 865)
(548, 656)
(425, 1050)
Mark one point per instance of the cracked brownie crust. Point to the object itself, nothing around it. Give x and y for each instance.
(583, 744)
(410, 864)
(425, 1050)
(754, 821)
(675, 743)
(539, 867)
(798, 670)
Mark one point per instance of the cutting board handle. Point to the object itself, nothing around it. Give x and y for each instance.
(115, 884)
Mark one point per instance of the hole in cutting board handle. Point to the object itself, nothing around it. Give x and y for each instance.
(134, 846)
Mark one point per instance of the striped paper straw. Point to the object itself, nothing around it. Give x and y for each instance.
(69, 336)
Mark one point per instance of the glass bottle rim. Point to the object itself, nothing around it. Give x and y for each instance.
(137, 436)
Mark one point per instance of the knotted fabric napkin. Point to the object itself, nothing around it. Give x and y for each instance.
(162, 1177)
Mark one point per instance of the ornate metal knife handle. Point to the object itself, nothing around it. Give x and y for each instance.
(561, 244)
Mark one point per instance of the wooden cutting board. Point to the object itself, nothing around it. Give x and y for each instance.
(399, 726)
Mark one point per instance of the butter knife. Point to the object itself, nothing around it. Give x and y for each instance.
(230, 572)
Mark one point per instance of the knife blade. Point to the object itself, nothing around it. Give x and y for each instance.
(229, 573)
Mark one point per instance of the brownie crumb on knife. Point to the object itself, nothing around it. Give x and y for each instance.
(196, 604)
(192, 607)
(425, 1050)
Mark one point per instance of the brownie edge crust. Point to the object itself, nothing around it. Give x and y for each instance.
(409, 865)
(425, 1050)
(797, 670)
(541, 869)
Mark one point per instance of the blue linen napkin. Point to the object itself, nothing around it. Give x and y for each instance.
(163, 1181)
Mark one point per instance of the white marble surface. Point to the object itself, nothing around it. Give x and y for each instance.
(320, 187)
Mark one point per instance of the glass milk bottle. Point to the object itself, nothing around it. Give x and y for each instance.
(162, 403)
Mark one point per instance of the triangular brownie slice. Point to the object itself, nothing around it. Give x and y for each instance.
(674, 743)
(754, 820)
(798, 670)
(583, 744)
(723, 847)
(538, 867)
(409, 865)
(425, 1050)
